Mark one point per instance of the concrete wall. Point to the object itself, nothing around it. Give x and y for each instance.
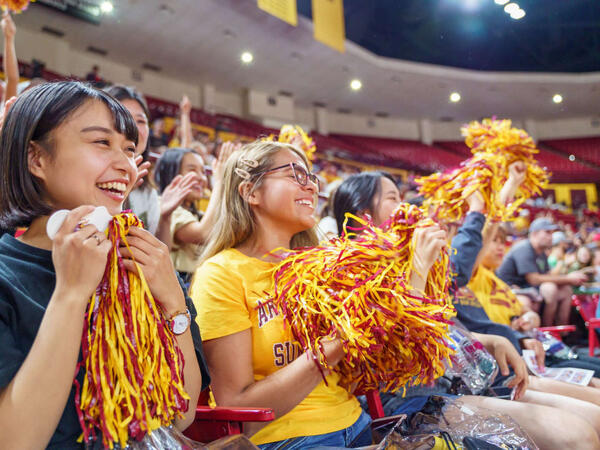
(60, 57)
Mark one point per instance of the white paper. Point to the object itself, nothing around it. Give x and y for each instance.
(581, 377)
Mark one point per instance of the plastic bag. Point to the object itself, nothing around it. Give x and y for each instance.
(162, 438)
(170, 438)
(471, 362)
(449, 422)
(552, 346)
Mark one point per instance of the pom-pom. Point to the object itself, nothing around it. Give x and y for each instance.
(133, 369)
(295, 135)
(16, 6)
(357, 288)
(495, 145)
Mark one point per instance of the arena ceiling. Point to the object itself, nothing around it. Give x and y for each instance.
(409, 54)
(553, 36)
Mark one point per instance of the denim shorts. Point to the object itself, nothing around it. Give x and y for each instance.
(345, 438)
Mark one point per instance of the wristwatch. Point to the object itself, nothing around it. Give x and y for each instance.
(180, 322)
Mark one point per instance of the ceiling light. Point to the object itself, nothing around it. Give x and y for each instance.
(571, 158)
(518, 14)
(557, 98)
(106, 7)
(501, 2)
(511, 8)
(455, 97)
(247, 57)
(355, 85)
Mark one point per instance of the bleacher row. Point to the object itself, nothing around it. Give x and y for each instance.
(401, 153)
(413, 155)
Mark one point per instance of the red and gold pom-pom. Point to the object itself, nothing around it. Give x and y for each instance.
(295, 135)
(16, 6)
(133, 369)
(357, 288)
(495, 145)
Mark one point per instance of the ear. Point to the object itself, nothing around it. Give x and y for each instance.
(252, 196)
(364, 212)
(36, 160)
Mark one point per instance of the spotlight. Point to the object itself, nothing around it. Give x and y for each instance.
(247, 57)
(501, 2)
(557, 98)
(518, 14)
(571, 158)
(455, 97)
(511, 8)
(355, 85)
(106, 7)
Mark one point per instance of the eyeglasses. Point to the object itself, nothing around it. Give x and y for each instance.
(300, 174)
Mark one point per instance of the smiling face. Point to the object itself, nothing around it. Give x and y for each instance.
(191, 162)
(280, 201)
(385, 201)
(141, 121)
(90, 163)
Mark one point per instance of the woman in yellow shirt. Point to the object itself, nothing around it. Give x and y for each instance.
(268, 201)
(501, 304)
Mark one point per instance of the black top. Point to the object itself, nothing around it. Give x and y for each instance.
(27, 281)
(519, 261)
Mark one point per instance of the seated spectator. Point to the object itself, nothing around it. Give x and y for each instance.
(500, 303)
(267, 202)
(556, 258)
(526, 265)
(64, 140)
(93, 76)
(374, 194)
(183, 170)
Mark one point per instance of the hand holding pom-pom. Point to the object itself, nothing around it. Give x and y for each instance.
(429, 242)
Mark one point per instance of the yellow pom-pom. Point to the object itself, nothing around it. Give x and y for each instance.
(358, 288)
(495, 145)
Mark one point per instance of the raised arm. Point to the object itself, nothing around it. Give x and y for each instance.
(197, 232)
(186, 123)
(10, 65)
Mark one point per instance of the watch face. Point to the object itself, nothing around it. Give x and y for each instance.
(180, 323)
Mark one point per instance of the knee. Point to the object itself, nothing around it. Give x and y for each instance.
(549, 291)
(526, 303)
(565, 292)
(577, 433)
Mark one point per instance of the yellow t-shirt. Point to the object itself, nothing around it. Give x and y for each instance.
(496, 297)
(229, 292)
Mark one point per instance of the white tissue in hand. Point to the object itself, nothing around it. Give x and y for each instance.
(99, 217)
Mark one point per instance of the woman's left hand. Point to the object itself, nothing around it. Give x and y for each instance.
(153, 258)
(507, 356)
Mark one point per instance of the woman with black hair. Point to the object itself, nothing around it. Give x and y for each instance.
(144, 200)
(373, 193)
(376, 195)
(189, 228)
(67, 146)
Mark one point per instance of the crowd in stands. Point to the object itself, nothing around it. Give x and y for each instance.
(214, 211)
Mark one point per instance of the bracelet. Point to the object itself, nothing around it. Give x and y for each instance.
(185, 311)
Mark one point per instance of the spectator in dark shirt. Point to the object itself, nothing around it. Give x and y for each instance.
(526, 265)
(93, 77)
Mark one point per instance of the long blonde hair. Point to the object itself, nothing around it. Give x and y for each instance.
(236, 221)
